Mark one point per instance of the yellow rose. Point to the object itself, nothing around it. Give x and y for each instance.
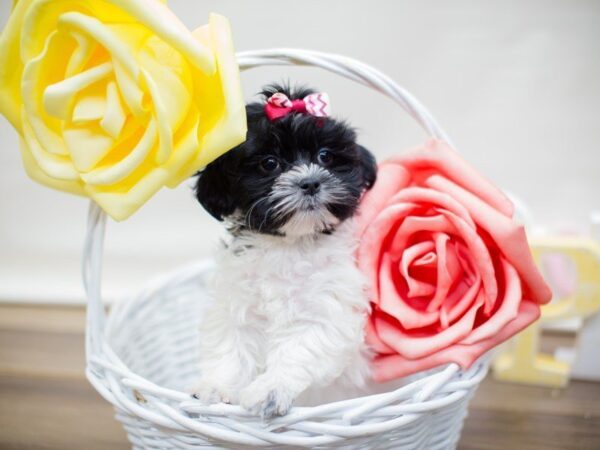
(114, 99)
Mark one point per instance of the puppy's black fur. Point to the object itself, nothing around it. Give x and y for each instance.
(235, 185)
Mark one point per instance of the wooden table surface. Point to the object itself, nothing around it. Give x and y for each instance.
(46, 403)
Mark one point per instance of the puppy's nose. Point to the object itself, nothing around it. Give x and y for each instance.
(310, 186)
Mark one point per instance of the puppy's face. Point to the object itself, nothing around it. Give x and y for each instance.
(295, 176)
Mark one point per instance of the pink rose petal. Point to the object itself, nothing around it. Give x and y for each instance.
(370, 246)
(439, 200)
(460, 306)
(416, 288)
(448, 269)
(390, 367)
(464, 257)
(411, 346)
(510, 237)
(506, 312)
(390, 179)
(392, 303)
(414, 224)
(372, 339)
(480, 257)
(439, 156)
(427, 260)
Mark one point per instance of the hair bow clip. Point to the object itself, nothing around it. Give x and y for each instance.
(279, 105)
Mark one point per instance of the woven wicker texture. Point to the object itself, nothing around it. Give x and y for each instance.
(146, 353)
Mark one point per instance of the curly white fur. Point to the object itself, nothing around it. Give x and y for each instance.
(289, 315)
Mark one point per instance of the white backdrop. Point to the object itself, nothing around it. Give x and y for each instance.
(515, 83)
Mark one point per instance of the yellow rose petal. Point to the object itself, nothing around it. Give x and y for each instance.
(11, 66)
(157, 17)
(121, 204)
(132, 94)
(171, 101)
(55, 166)
(186, 144)
(34, 171)
(116, 172)
(36, 74)
(165, 135)
(169, 75)
(89, 107)
(114, 115)
(222, 43)
(223, 114)
(87, 145)
(43, 17)
(58, 98)
(105, 37)
(81, 55)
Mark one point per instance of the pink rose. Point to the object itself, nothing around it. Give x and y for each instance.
(451, 273)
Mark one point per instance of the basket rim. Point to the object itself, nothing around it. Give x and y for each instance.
(447, 385)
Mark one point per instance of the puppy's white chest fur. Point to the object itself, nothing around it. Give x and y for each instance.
(291, 280)
(279, 280)
(288, 315)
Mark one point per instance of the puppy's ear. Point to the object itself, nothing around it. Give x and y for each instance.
(368, 167)
(214, 189)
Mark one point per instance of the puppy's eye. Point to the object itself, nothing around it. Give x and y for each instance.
(269, 164)
(325, 157)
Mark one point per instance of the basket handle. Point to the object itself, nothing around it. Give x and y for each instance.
(91, 270)
(341, 65)
(348, 68)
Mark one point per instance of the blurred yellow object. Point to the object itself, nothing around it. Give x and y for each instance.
(521, 360)
(115, 99)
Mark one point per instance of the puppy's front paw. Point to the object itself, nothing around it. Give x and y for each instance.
(210, 391)
(266, 399)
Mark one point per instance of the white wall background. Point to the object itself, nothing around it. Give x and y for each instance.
(516, 84)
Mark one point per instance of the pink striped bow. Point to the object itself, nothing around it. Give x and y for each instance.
(279, 105)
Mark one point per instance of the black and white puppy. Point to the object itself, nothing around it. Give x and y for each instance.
(290, 303)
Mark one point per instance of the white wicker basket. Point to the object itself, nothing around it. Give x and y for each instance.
(142, 357)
